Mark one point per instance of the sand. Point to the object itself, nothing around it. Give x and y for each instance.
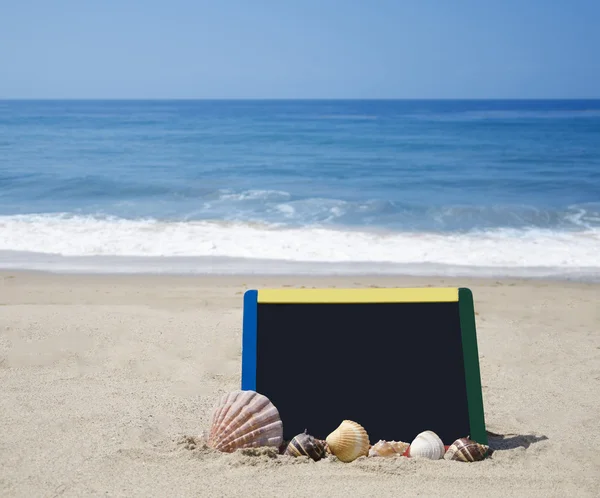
(105, 381)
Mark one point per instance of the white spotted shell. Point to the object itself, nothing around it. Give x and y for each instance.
(349, 441)
(427, 444)
(244, 419)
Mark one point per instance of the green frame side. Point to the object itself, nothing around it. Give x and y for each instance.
(471, 361)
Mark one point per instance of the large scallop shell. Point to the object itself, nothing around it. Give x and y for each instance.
(388, 448)
(349, 441)
(427, 444)
(244, 419)
(466, 450)
(306, 445)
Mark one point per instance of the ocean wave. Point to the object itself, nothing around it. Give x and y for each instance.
(282, 207)
(191, 201)
(68, 235)
(500, 115)
(348, 117)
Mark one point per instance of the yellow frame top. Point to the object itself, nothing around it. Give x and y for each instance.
(371, 295)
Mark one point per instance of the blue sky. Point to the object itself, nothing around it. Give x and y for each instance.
(300, 49)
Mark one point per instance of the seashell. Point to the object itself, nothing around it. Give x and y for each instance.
(306, 445)
(349, 441)
(388, 448)
(427, 444)
(466, 450)
(244, 419)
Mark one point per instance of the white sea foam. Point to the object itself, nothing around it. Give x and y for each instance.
(254, 195)
(79, 236)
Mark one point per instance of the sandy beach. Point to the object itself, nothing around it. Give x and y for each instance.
(106, 380)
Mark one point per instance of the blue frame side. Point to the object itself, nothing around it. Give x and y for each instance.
(249, 340)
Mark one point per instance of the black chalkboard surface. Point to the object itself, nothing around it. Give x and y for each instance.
(397, 361)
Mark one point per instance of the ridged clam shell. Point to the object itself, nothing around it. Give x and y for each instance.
(349, 441)
(388, 448)
(427, 444)
(466, 450)
(244, 419)
(306, 445)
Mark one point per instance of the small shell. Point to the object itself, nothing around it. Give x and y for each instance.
(427, 444)
(244, 419)
(306, 445)
(388, 448)
(349, 441)
(466, 450)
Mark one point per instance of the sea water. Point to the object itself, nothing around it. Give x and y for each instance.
(505, 188)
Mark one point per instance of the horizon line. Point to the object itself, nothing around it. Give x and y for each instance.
(271, 99)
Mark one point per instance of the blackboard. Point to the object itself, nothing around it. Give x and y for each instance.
(397, 361)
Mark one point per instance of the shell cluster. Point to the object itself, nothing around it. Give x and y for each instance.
(247, 419)
(427, 444)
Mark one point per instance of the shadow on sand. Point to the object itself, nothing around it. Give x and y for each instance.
(499, 442)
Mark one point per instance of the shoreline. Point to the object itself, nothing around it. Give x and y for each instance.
(389, 280)
(254, 268)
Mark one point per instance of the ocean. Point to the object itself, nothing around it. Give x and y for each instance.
(466, 188)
